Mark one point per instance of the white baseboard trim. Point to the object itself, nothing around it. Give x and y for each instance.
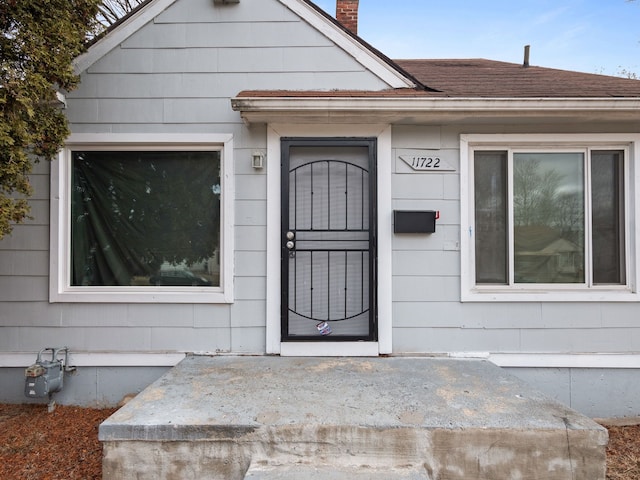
(546, 360)
(349, 349)
(96, 359)
(329, 349)
(556, 360)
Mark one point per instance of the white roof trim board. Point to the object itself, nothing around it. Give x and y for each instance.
(120, 34)
(350, 45)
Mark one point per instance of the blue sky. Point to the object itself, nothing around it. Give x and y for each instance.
(593, 36)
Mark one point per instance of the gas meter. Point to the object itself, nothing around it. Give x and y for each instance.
(46, 377)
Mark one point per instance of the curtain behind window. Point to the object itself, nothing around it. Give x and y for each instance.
(133, 212)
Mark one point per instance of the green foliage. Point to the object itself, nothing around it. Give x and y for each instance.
(39, 40)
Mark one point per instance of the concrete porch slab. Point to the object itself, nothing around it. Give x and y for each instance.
(215, 417)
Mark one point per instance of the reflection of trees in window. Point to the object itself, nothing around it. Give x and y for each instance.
(548, 205)
(534, 193)
(133, 211)
(543, 195)
(548, 198)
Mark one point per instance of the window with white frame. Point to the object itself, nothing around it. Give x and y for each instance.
(545, 218)
(142, 220)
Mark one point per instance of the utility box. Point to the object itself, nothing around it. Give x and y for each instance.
(414, 221)
(45, 377)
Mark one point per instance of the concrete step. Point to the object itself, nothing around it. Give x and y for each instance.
(218, 417)
(331, 472)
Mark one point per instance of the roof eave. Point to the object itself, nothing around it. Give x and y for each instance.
(267, 109)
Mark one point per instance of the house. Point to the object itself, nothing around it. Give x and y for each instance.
(251, 177)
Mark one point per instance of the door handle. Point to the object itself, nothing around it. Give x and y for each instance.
(290, 244)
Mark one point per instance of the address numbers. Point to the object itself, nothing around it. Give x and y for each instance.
(427, 163)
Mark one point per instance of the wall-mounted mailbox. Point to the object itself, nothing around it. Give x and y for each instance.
(416, 221)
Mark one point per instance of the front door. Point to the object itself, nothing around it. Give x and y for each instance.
(328, 240)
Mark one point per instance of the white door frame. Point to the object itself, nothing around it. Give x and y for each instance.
(384, 160)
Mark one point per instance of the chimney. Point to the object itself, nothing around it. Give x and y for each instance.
(347, 14)
(527, 48)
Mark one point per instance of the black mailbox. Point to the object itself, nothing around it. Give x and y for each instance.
(421, 221)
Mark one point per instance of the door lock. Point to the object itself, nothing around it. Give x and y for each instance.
(290, 236)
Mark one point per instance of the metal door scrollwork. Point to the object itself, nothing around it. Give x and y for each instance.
(328, 237)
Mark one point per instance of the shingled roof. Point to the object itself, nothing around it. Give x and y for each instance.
(480, 78)
(462, 78)
(492, 79)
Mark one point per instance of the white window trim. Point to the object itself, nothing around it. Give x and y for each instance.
(60, 289)
(471, 293)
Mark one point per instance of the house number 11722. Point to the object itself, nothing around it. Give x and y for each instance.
(438, 161)
(425, 163)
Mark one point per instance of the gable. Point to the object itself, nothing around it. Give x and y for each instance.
(280, 36)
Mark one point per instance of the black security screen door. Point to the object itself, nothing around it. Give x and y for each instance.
(328, 239)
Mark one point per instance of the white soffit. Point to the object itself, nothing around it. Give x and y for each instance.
(417, 103)
(120, 33)
(260, 109)
(363, 55)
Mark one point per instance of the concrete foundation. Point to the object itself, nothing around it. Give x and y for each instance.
(94, 387)
(280, 418)
(326, 472)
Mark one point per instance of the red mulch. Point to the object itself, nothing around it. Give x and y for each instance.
(623, 453)
(63, 445)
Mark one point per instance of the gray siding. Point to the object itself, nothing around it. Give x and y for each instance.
(175, 75)
(427, 313)
(24, 262)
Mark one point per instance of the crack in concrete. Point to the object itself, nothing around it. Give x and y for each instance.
(566, 429)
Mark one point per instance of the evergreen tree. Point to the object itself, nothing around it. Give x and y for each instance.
(39, 40)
